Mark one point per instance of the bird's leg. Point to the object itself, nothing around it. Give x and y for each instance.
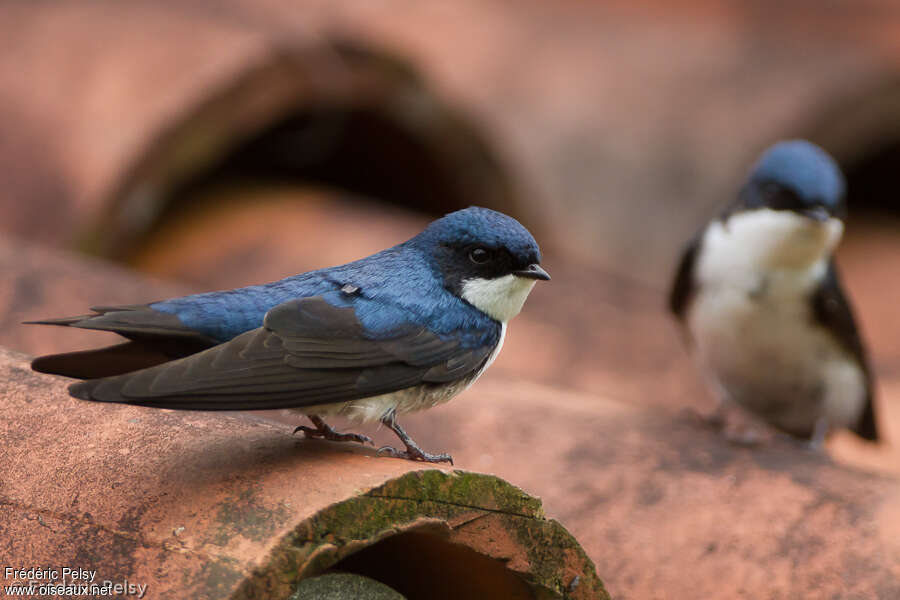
(820, 432)
(412, 452)
(325, 431)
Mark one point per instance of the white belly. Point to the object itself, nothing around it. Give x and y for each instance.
(756, 337)
(411, 399)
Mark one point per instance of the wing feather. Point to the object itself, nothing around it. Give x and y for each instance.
(683, 286)
(307, 353)
(832, 310)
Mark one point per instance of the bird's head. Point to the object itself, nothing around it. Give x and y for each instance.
(796, 176)
(485, 257)
(794, 197)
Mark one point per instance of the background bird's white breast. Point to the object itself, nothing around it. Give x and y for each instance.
(752, 320)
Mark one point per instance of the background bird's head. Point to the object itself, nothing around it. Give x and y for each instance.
(485, 257)
(796, 176)
(792, 204)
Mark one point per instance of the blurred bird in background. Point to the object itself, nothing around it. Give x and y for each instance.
(402, 330)
(759, 296)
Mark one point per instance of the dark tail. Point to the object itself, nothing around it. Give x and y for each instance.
(103, 362)
(64, 321)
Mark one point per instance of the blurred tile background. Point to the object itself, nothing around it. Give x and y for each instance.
(217, 144)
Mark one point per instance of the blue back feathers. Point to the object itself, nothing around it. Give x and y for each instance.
(804, 168)
(400, 285)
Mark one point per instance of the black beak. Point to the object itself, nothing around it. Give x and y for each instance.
(816, 213)
(534, 271)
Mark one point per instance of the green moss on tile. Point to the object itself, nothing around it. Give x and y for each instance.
(430, 498)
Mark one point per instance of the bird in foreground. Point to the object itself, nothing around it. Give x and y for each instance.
(402, 330)
(758, 293)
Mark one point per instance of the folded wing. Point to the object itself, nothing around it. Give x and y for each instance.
(683, 286)
(832, 310)
(308, 352)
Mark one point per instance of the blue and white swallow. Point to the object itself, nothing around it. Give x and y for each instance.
(758, 293)
(399, 331)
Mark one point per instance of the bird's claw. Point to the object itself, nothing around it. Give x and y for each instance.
(332, 435)
(714, 420)
(414, 454)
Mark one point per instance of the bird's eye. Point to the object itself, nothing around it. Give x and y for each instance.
(479, 256)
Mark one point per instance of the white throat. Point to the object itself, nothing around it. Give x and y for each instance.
(769, 239)
(501, 298)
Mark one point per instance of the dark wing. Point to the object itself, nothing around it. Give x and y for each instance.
(156, 337)
(308, 352)
(682, 290)
(831, 309)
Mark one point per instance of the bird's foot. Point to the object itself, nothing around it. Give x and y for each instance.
(749, 431)
(743, 437)
(334, 436)
(715, 420)
(736, 426)
(326, 432)
(414, 453)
